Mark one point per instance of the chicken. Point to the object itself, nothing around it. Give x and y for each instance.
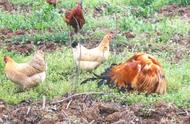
(89, 59)
(75, 17)
(142, 72)
(52, 2)
(26, 75)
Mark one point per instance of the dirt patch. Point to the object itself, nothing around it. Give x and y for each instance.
(129, 35)
(28, 48)
(84, 109)
(99, 10)
(22, 48)
(175, 52)
(173, 10)
(182, 48)
(177, 47)
(6, 33)
(181, 39)
(7, 6)
(114, 47)
(21, 8)
(48, 46)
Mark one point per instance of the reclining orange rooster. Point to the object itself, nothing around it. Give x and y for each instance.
(142, 72)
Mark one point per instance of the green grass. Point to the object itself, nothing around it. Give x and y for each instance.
(60, 77)
(61, 68)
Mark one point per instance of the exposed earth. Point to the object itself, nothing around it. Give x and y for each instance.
(85, 109)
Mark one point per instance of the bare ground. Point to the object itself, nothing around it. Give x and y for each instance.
(178, 47)
(84, 109)
(173, 10)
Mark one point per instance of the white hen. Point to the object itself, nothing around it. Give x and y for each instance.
(89, 59)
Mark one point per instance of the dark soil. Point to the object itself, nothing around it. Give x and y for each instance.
(28, 48)
(22, 48)
(99, 10)
(118, 48)
(181, 39)
(5, 5)
(84, 110)
(22, 8)
(178, 46)
(129, 35)
(6, 36)
(181, 46)
(6, 33)
(173, 10)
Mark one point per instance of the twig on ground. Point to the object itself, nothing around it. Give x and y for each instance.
(28, 111)
(69, 104)
(65, 114)
(75, 95)
(184, 113)
(44, 102)
(86, 122)
(92, 122)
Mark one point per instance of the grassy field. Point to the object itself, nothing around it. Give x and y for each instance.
(141, 19)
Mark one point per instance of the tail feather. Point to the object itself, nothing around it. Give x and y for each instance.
(102, 79)
(38, 61)
(98, 76)
(95, 77)
(100, 83)
(89, 79)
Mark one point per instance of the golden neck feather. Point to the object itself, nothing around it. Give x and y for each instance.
(104, 44)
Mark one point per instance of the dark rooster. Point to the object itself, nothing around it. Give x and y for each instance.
(75, 17)
(142, 72)
(52, 2)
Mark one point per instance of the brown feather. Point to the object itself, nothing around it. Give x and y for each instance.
(141, 72)
(75, 18)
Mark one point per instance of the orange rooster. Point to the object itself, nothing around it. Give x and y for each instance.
(75, 17)
(52, 2)
(142, 72)
(26, 75)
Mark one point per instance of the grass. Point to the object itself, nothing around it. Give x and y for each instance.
(60, 77)
(61, 68)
